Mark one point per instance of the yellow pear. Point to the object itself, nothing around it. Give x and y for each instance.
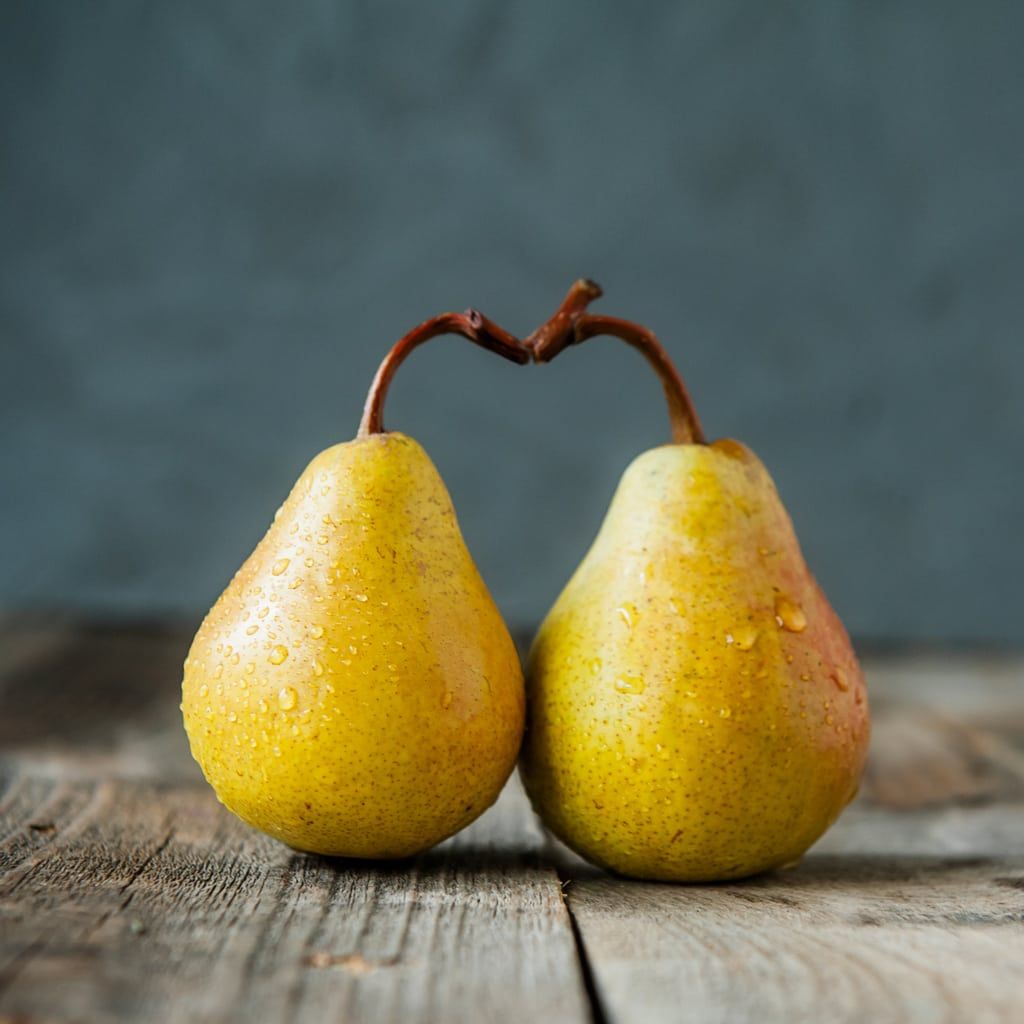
(696, 710)
(354, 691)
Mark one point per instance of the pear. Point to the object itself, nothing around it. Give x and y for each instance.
(354, 691)
(695, 709)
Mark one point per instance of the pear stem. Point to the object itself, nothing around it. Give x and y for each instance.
(472, 325)
(571, 324)
(558, 332)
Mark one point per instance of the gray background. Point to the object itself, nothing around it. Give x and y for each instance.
(215, 218)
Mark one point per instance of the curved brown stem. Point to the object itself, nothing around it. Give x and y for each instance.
(472, 325)
(557, 333)
(686, 428)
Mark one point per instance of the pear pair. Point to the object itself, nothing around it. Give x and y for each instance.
(695, 709)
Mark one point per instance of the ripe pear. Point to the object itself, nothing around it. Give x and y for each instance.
(354, 691)
(695, 709)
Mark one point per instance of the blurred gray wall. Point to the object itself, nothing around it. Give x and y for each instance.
(215, 218)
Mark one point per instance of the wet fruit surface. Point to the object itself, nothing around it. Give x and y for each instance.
(696, 709)
(354, 691)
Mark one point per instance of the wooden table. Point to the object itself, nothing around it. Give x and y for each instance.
(128, 893)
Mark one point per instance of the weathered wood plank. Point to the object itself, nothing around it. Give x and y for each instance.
(910, 909)
(133, 901)
(93, 702)
(844, 938)
(979, 689)
(127, 893)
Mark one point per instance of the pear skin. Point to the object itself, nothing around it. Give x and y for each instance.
(355, 691)
(696, 710)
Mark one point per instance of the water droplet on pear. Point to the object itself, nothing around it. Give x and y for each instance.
(789, 615)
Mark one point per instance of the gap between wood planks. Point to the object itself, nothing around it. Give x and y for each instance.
(597, 1012)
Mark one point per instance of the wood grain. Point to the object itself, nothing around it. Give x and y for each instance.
(128, 894)
(127, 898)
(133, 901)
(910, 909)
(844, 938)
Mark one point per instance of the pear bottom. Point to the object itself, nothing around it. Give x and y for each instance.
(643, 824)
(370, 800)
(683, 782)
